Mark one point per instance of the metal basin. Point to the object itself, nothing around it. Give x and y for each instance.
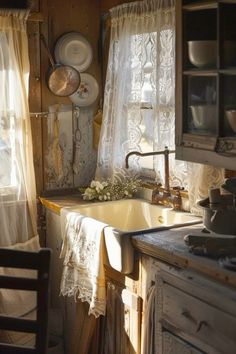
(127, 217)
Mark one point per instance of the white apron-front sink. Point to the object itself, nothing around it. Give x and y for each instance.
(129, 217)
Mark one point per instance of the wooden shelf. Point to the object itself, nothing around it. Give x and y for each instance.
(198, 72)
(213, 72)
(201, 5)
(206, 5)
(228, 71)
(216, 19)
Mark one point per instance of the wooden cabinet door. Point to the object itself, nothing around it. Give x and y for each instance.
(151, 305)
(78, 325)
(122, 325)
(54, 241)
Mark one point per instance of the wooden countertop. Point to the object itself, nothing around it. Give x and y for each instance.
(167, 246)
(56, 203)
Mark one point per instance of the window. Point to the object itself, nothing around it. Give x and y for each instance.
(138, 110)
(145, 93)
(8, 134)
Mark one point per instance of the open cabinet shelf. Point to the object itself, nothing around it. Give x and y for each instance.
(206, 82)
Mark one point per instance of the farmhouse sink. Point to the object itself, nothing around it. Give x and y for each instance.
(128, 217)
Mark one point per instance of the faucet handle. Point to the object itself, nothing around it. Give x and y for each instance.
(178, 188)
(177, 199)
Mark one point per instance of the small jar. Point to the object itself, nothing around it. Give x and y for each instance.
(214, 195)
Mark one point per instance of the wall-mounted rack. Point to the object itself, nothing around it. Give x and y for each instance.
(39, 114)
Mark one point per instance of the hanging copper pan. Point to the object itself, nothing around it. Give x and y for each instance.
(62, 80)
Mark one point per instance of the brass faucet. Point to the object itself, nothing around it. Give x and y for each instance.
(161, 195)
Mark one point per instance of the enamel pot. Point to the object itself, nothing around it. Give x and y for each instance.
(220, 218)
(62, 80)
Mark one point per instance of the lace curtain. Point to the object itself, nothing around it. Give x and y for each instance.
(139, 97)
(17, 180)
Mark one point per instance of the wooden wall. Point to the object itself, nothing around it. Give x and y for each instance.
(108, 4)
(65, 16)
(35, 95)
(54, 18)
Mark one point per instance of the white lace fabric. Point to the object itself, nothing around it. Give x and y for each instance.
(83, 250)
(139, 98)
(200, 179)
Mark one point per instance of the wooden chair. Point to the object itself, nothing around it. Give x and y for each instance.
(40, 262)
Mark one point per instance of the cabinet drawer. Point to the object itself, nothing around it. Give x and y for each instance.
(175, 345)
(192, 318)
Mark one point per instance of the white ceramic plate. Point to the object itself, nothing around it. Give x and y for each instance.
(73, 49)
(87, 92)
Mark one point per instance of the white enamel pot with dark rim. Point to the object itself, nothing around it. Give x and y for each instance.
(62, 80)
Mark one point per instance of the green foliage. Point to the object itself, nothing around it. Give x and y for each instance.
(121, 187)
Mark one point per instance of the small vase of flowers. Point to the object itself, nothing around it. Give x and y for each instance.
(118, 188)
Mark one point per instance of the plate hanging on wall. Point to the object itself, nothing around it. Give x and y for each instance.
(73, 49)
(87, 92)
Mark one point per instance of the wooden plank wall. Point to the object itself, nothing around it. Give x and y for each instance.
(35, 95)
(108, 4)
(64, 16)
(58, 17)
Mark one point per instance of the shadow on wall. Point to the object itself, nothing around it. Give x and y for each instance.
(69, 155)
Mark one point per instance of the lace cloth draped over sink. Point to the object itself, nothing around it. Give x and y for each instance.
(83, 250)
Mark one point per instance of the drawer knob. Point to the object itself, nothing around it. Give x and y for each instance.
(200, 324)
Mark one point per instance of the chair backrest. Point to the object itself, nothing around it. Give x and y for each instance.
(39, 261)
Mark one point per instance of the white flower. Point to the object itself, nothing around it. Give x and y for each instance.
(93, 184)
(112, 189)
(99, 186)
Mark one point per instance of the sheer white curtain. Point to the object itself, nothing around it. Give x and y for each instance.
(139, 97)
(17, 180)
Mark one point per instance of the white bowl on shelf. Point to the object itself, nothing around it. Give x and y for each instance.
(231, 117)
(204, 116)
(203, 54)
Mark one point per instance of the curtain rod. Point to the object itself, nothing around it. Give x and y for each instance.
(16, 5)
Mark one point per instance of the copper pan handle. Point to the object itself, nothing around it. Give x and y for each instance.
(48, 50)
